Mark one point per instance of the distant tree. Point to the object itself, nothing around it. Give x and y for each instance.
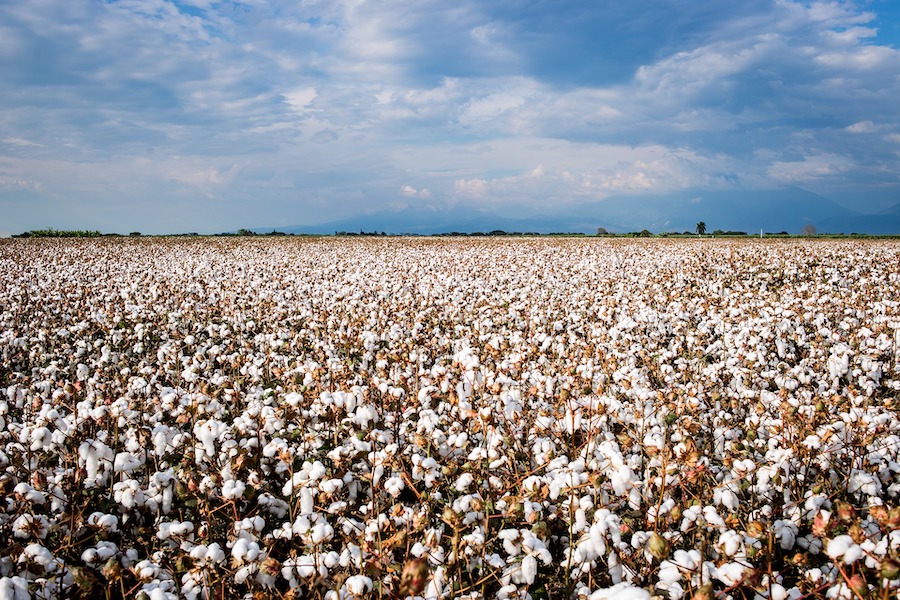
(244, 231)
(701, 228)
(809, 230)
(718, 232)
(602, 231)
(645, 233)
(135, 234)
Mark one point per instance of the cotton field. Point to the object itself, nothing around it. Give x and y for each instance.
(430, 418)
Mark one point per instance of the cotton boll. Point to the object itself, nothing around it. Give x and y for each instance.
(853, 554)
(730, 542)
(14, 588)
(233, 490)
(839, 546)
(777, 592)
(358, 585)
(105, 522)
(39, 555)
(28, 525)
(620, 591)
(730, 573)
(786, 533)
(394, 486)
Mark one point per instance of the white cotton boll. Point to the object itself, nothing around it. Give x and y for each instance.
(689, 515)
(377, 473)
(28, 525)
(39, 555)
(730, 573)
(729, 500)
(527, 571)
(669, 572)
(307, 502)
(839, 546)
(305, 567)
(14, 588)
(245, 572)
(862, 482)
(620, 591)
(777, 592)
(786, 533)
(853, 554)
(358, 585)
(622, 480)
(464, 481)
(41, 439)
(233, 490)
(99, 554)
(239, 550)
(364, 415)
(215, 553)
(712, 517)
(330, 486)
(394, 486)
(730, 542)
(597, 539)
(321, 532)
(104, 522)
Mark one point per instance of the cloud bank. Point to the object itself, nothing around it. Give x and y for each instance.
(211, 115)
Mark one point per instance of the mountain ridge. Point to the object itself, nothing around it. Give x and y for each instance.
(788, 209)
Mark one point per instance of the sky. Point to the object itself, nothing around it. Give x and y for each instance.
(167, 116)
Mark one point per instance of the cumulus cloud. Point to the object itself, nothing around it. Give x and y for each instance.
(299, 100)
(411, 192)
(861, 127)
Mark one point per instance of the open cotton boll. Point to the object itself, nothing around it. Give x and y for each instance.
(777, 592)
(105, 522)
(786, 533)
(730, 573)
(233, 490)
(99, 554)
(839, 546)
(212, 553)
(14, 588)
(39, 555)
(358, 585)
(620, 591)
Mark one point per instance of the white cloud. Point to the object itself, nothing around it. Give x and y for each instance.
(14, 183)
(17, 141)
(471, 188)
(808, 170)
(411, 192)
(862, 127)
(300, 99)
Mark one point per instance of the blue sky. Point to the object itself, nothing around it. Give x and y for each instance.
(205, 115)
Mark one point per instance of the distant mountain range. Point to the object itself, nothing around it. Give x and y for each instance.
(789, 210)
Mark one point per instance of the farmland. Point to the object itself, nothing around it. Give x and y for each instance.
(480, 418)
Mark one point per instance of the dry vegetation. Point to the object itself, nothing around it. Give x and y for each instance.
(456, 419)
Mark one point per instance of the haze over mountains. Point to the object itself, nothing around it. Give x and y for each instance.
(789, 209)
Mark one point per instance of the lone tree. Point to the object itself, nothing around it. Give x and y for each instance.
(701, 228)
(809, 230)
